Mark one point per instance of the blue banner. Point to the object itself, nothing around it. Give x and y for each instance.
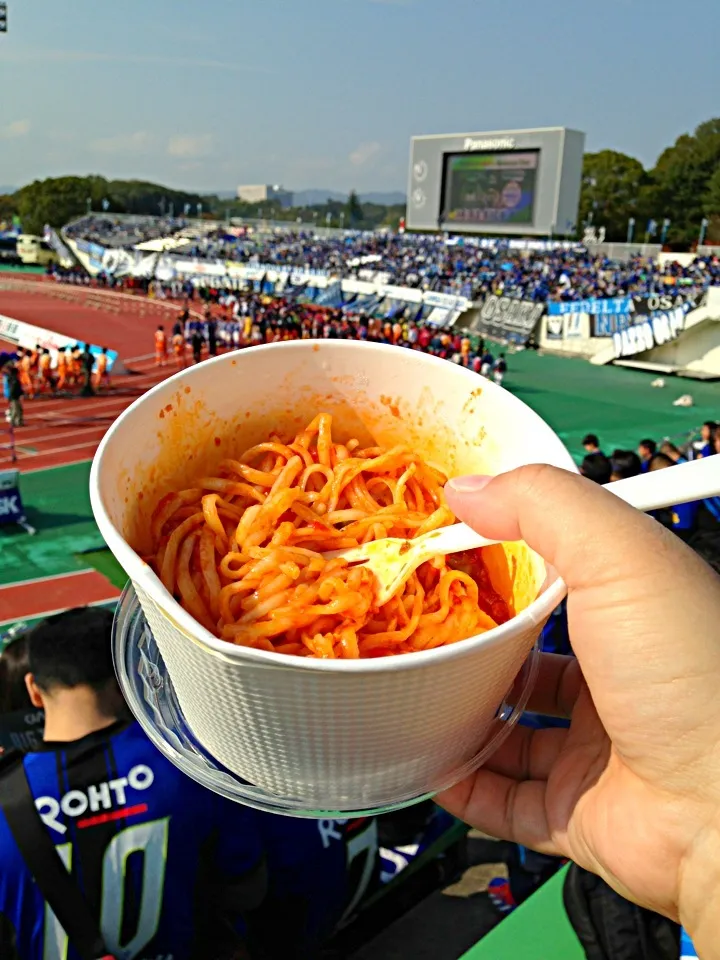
(606, 324)
(11, 508)
(613, 306)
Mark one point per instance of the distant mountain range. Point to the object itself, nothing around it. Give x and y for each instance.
(312, 198)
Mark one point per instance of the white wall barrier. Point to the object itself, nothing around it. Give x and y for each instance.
(29, 336)
(674, 337)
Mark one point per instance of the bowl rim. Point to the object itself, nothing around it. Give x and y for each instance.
(143, 576)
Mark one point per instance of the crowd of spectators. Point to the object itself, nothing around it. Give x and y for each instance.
(109, 230)
(698, 522)
(234, 320)
(461, 266)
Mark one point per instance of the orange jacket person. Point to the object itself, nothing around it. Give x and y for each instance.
(61, 369)
(45, 376)
(160, 347)
(25, 374)
(178, 345)
(74, 365)
(101, 374)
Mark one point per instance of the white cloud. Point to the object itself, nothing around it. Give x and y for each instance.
(189, 145)
(138, 142)
(14, 130)
(364, 153)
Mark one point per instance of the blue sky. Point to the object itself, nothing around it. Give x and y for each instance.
(326, 93)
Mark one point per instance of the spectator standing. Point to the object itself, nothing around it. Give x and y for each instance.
(13, 393)
(487, 363)
(87, 362)
(196, 345)
(499, 370)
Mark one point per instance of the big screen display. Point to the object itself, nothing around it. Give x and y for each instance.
(490, 188)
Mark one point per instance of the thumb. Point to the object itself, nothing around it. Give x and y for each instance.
(585, 532)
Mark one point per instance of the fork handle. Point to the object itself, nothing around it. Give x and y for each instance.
(451, 539)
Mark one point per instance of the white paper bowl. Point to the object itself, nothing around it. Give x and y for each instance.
(331, 734)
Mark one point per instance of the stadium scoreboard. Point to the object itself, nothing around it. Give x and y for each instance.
(512, 182)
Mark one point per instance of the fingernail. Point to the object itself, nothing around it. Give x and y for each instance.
(467, 485)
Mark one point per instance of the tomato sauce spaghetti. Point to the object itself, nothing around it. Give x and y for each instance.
(243, 551)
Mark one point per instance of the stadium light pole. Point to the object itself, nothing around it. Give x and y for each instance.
(3, 18)
(665, 228)
(630, 229)
(704, 223)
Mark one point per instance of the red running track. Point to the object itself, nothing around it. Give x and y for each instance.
(60, 431)
(121, 321)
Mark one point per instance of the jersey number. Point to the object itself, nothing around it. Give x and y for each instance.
(361, 848)
(149, 839)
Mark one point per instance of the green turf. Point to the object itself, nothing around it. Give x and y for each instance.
(57, 504)
(618, 404)
(538, 930)
(106, 564)
(17, 268)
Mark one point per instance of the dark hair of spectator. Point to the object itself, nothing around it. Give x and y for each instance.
(13, 667)
(596, 467)
(648, 445)
(72, 649)
(625, 463)
(591, 440)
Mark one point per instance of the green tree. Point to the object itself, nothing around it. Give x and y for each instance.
(712, 207)
(354, 210)
(682, 177)
(8, 208)
(612, 192)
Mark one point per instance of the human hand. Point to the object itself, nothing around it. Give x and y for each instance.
(632, 790)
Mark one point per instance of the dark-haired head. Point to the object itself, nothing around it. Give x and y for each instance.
(708, 430)
(591, 442)
(647, 449)
(72, 649)
(596, 467)
(625, 464)
(71, 673)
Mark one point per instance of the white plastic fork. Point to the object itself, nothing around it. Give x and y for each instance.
(393, 560)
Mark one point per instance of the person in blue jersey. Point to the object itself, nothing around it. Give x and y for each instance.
(318, 873)
(165, 866)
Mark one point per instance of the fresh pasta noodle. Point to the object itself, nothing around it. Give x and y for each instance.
(242, 551)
